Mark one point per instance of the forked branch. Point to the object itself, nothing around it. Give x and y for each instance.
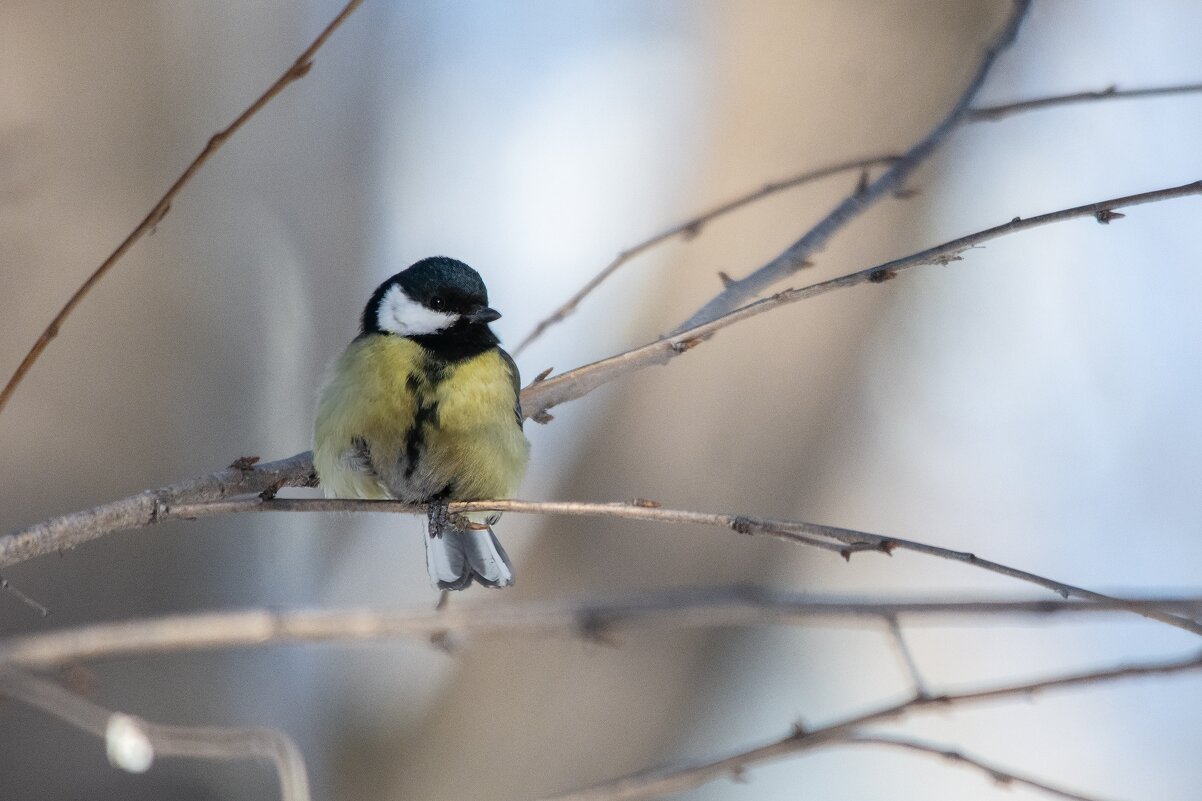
(133, 743)
(691, 227)
(672, 779)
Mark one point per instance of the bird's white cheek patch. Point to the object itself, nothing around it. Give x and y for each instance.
(402, 315)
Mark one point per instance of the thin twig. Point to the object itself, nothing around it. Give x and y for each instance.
(742, 524)
(790, 530)
(295, 72)
(133, 743)
(137, 511)
(700, 608)
(794, 257)
(999, 775)
(7, 587)
(692, 227)
(543, 395)
(905, 655)
(140, 511)
(990, 113)
(671, 779)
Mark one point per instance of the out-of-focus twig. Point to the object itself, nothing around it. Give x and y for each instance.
(906, 656)
(693, 226)
(295, 72)
(699, 608)
(1002, 110)
(550, 392)
(40, 608)
(998, 775)
(794, 257)
(133, 743)
(666, 780)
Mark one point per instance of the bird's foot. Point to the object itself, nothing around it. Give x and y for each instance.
(462, 522)
(439, 517)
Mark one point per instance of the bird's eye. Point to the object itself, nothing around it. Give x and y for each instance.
(437, 303)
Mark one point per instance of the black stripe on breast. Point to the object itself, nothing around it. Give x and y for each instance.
(426, 415)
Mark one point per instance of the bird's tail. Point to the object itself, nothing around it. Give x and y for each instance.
(455, 557)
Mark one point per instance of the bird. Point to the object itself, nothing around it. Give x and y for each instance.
(424, 407)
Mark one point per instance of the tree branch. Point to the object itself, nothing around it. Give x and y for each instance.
(137, 511)
(794, 257)
(153, 507)
(906, 656)
(700, 608)
(1001, 111)
(295, 72)
(803, 533)
(1003, 776)
(542, 395)
(671, 779)
(133, 743)
(693, 226)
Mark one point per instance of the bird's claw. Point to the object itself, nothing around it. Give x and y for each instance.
(439, 516)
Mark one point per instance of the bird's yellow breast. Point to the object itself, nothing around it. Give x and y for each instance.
(428, 424)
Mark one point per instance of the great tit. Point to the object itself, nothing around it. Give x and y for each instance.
(423, 407)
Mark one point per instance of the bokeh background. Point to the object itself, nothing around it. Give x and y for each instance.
(1035, 403)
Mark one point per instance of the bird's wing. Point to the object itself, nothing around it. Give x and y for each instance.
(516, 378)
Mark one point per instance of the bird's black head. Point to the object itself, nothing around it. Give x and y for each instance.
(437, 301)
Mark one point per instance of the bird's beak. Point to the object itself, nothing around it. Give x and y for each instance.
(483, 315)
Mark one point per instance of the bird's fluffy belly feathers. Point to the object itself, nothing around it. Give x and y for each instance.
(423, 435)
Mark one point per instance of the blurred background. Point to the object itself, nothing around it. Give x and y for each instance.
(1035, 403)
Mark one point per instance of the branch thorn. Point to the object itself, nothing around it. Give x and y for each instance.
(273, 489)
(686, 344)
(595, 628)
(999, 778)
(157, 217)
(743, 525)
(443, 641)
(1106, 215)
(862, 184)
(857, 547)
(42, 610)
